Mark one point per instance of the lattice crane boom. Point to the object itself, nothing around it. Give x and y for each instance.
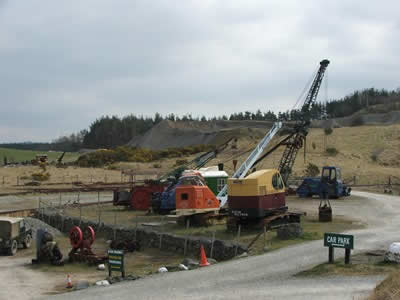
(295, 142)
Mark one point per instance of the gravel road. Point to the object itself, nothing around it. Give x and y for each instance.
(270, 276)
(19, 282)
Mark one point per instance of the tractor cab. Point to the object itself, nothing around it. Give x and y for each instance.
(331, 175)
(331, 183)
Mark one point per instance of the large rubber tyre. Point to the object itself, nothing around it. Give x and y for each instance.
(14, 247)
(27, 241)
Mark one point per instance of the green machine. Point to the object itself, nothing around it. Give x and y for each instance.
(215, 178)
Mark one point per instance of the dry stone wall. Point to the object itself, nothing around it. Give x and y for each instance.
(222, 250)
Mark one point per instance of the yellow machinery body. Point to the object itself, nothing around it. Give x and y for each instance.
(260, 194)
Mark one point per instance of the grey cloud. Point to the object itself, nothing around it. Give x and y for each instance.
(66, 63)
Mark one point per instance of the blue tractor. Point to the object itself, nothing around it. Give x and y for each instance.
(329, 185)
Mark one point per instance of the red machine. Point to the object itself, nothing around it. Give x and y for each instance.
(139, 197)
(81, 242)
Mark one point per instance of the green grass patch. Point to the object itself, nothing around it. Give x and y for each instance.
(353, 269)
(15, 155)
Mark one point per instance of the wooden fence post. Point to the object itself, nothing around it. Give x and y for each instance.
(115, 226)
(212, 244)
(186, 236)
(238, 238)
(160, 240)
(265, 237)
(136, 226)
(80, 215)
(99, 215)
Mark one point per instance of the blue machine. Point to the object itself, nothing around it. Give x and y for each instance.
(165, 202)
(329, 185)
(168, 198)
(309, 187)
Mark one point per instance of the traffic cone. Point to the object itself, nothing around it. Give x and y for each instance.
(203, 259)
(69, 282)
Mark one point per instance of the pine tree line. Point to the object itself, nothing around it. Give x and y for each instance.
(110, 132)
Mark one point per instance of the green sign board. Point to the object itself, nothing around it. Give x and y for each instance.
(339, 240)
(116, 261)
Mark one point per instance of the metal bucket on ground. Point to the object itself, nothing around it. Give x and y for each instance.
(325, 213)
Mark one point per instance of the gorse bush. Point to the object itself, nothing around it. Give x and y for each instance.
(102, 157)
(41, 176)
(180, 162)
(332, 151)
(328, 130)
(312, 170)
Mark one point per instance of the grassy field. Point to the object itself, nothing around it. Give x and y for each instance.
(15, 155)
(361, 264)
(59, 177)
(369, 153)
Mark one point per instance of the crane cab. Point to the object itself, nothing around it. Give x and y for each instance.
(260, 194)
(193, 195)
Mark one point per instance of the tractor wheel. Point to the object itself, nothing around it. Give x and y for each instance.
(14, 247)
(27, 241)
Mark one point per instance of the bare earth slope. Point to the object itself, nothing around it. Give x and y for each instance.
(168, 134)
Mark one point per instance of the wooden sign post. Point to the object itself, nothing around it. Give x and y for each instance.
(116, 261)
(335, 240)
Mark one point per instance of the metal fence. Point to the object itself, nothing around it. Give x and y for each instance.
(77, 179)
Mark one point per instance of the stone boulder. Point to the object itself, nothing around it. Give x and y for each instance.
(290, 231)
(393, 253)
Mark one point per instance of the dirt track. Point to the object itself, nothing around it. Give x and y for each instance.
(18, 281)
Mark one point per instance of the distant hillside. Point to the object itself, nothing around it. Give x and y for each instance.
(360, 118)
(169, 134)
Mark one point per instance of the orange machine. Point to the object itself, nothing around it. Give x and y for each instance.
(194, 196)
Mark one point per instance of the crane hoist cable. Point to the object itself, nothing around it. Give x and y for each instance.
(307, 86)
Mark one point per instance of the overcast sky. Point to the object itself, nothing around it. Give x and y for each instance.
(65, 63)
